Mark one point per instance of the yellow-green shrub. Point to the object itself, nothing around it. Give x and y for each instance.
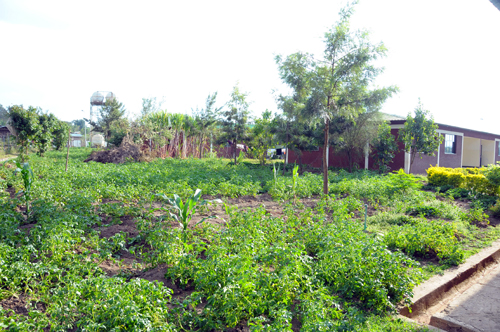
(469, 178)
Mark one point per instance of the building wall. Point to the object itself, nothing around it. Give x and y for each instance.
(451, 160)
(472, 152)
(497, 148)
(399, 159)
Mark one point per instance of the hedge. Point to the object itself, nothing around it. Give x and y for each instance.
(473, 179)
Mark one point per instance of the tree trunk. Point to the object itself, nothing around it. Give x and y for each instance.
(67, 154)
(325, 157)
(234, 151)
(201, 146)
(286, 146)
(184, 144)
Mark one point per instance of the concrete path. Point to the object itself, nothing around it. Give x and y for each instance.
(477, 309)
(465, 298)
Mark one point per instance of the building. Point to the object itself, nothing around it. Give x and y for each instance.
(5, 134)
(461, 147)
(77, 140)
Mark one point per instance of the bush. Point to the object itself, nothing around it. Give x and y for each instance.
(471, 179)
(424, 211)
(495, 209)
(427, 238)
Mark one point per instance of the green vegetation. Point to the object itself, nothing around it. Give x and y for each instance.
(306, 265)
(419, 134)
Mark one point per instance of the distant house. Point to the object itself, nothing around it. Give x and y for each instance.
(77, 140)
(460, 148)
(5, 134)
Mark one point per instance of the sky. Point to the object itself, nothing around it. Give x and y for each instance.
(56, 54)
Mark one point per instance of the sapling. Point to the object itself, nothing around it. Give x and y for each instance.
(27, 175)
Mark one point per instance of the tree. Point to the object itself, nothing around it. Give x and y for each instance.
(385, 147)
(79, 125)
(149, 106)
(4, 115)
(26, 124)
(44, 137)
(419, 134)
(356, 137)
(340, 82)
(234, 120)
(206, 119)
(60, 133)
(112, 110)
(262, 136)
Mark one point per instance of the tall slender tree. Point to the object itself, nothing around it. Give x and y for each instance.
(339, 83)
(234, 120)
(206, 119)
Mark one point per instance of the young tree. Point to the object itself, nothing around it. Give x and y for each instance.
(27, 126)
(206, 118)
(149, 106)
(385, 147)
(339, 83)
(44, 137)
(111, 111)
(356, 138)
(60, 134)
(234, 120)
(420, 134)
(262, 136)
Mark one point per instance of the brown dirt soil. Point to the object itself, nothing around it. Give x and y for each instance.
(11, 191)
(19, 304)
(124, 264)
(119, 155)
(127, 226)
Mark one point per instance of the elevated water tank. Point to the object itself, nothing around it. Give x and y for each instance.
(110, 96)
(97, 99)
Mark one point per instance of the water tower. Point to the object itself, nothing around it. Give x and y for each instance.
(98, 100)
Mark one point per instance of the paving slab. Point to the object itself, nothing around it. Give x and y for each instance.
(477, 309)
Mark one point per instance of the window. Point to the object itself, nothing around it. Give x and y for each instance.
(499, 149)
(450, 144)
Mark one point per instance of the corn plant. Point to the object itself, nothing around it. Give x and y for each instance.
(27, 175)
(183, 211)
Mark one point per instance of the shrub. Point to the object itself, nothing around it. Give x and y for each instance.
(427, 238)
(495, 209)
(423, 210)
(471, 179)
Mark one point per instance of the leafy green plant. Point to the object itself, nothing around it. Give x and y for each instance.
(424, 211)
(27, 176)
(476, 215)
(183, 211)
(427, 238)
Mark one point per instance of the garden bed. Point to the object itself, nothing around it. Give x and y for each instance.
(99, 240)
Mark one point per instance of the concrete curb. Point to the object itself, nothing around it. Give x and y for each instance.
(449, 324)
(455, 280)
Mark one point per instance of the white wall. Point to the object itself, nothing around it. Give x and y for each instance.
(472, 152)
(488, 151)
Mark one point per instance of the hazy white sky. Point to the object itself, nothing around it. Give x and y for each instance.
(55, 54)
